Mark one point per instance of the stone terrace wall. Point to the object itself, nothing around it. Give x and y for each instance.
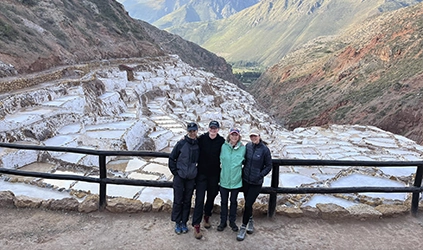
(125, 205)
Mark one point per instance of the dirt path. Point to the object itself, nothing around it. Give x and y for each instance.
(40, 229)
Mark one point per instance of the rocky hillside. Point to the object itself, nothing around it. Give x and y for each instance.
(40, 35)
(370, 75)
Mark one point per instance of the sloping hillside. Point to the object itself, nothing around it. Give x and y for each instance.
(265, 32)
(39, 35)
(371, 75)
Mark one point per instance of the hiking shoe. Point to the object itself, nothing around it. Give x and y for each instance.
(178, 229)
(197, 232)
(241, 234)
(184, 228)
(233, 226)
(250, 226)
(221, 226)
(207, 221)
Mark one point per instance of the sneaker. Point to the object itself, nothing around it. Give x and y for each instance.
(207, 221)
(178, 229)
(221, 226)
(233, 226)
(241, 234)
(197, 232)
(250, 226)
(184, 228)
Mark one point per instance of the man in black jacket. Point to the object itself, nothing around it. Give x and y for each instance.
(208, 176)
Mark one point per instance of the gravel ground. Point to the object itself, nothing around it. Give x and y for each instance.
(43, 229)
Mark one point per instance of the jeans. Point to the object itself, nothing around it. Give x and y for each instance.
(203, 184)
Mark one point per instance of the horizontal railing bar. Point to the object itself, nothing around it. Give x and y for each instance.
(85, 150)
(267, 190)
(320, 190)
(281, 162)
(87, 179)
(49, 175)
(301, 162)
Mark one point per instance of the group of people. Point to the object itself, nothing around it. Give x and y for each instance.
(211, 164)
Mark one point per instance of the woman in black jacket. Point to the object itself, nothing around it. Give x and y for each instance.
(258, 163)
(183, 165)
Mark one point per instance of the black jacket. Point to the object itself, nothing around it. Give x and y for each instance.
(258, 163)
(209, 161)
(184, 157)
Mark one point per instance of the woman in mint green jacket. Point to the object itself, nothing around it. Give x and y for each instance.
(231, 159)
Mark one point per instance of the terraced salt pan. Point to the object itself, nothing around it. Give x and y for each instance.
(294, 180)
(32, 191)
(360, 180)
(159, 169)
(186, 100)
(112, 189)
(324, 199)
(62, 183)
(24, 118)
(149, 194)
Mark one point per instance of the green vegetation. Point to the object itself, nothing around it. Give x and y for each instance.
(341, 113)
(247, 72)
(7, 32)
(247, 78)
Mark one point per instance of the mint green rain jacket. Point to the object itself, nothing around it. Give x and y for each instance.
(231, 159)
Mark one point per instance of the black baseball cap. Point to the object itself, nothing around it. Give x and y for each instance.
(214, 124)
(192, 126)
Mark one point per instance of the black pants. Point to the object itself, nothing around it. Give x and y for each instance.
(251, 192)
(224, 195)
(203, 184)
(182, 195)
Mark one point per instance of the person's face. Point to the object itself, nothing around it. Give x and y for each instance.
(233, 138)
(192, 134)
(213, 131)
(255, 139)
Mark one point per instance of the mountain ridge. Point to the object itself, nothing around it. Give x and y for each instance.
(371, 74)
(263, 33)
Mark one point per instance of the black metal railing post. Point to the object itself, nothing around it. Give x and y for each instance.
(416, 195)
(103, 187)
(273, 195)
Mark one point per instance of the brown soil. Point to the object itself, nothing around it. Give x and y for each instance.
(42, 229)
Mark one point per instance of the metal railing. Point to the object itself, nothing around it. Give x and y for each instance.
(273, 190)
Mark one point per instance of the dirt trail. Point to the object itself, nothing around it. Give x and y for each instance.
(43, 229)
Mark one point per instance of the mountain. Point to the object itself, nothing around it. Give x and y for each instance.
(168, 13)
(372, 74)
(151, 10)
(203, 11)
(263, 33)
(40, 35)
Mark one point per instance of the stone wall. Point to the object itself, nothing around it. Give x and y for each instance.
(124, 205)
